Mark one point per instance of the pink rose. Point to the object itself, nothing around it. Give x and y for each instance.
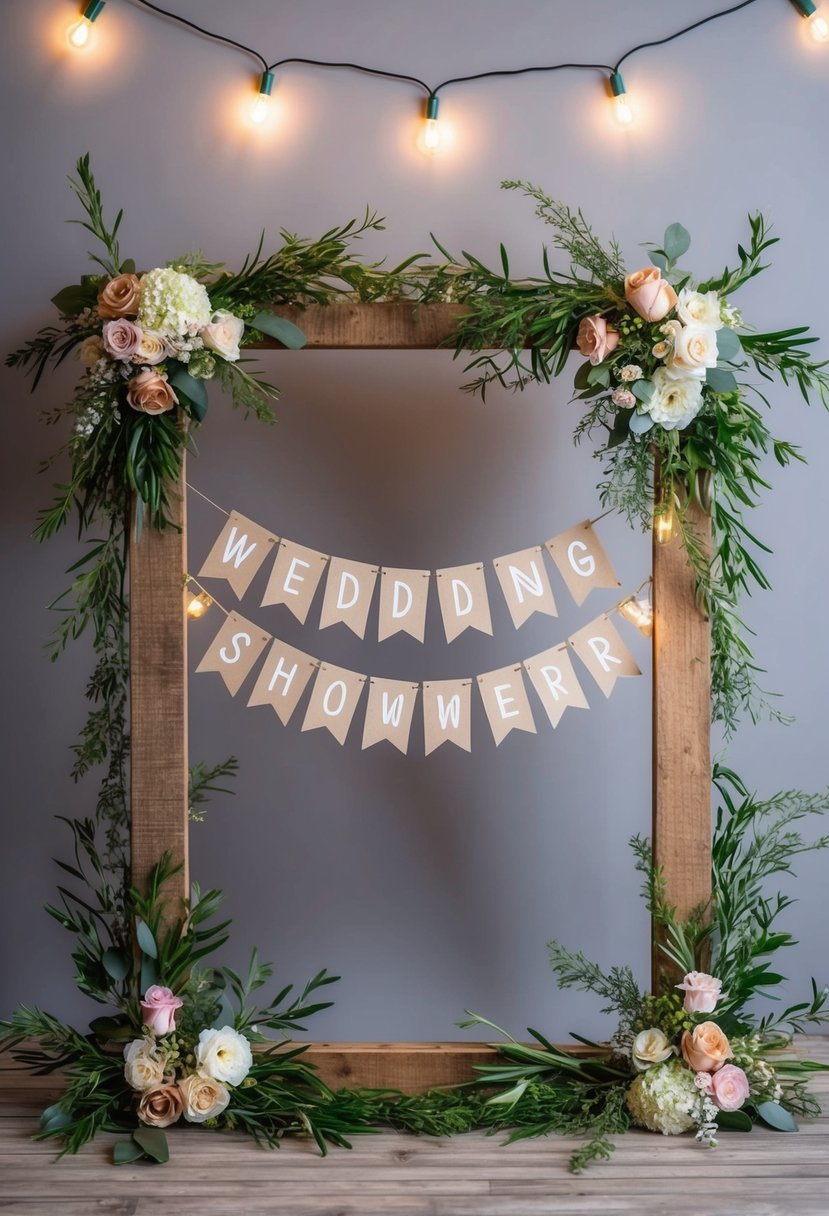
(596, 339)
(702, 992)
(149, 393)
(121, 338)
(729, 1087)
(623, 397)
(649, 294)
(158, 1009)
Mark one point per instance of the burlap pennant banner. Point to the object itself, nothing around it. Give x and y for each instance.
(463, 600)
(234, 650)
(553, 678)
(334, 699)
(240, 549)
(582, 561)
(391, 705)
(526, 587)
(447, 714)
(348, 594)
(285, 675)
(603, 653)
(403, 598)
(505, 701)
(295, 577)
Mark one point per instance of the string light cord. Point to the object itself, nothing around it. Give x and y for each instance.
(200, 29)
(644, 46)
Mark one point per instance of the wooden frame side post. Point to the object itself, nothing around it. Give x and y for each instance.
(158, 699)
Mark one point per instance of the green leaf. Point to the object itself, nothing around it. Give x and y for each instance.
(284, 331)
(73, 299)
(581, 379)
(128, 266)
(111, 1029)
(677, 241)
(154, 1143)
(640, 423)
(124, 1152)
(729, 347)
(146, 941)
(600, 374)
(149, 972)
(720, 380)
(776, 1116)
(115, 963)
(734, 1120)
(658, 259)
(54, 1118)
(191, 388)
(642, 390)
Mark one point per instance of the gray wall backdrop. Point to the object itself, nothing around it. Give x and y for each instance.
(429, 884)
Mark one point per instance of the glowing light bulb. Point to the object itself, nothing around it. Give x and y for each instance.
(431, 139)
(197, 605)
(818, 27)
(639, 613)
(663, 526)
(80, 31)
(261, 105)
(621, 102)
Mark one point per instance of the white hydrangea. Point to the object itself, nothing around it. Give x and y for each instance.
(664, 1099)
(172, 303)
(675, 401)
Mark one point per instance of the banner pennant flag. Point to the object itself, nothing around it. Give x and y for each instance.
(447, 714)
(582, 561)
(234, 650)
(505, 701)
(553, 678)
(389, 712)
(526, 587)
(240, 549)
(348, 594)
(463, 600)
(403, 598)
(285, 675)
(295, 577)
(603, 653)
(334, 699)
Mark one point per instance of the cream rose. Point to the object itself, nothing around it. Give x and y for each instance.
(121, 338)
(694, 349)
(699, 308)
(151, 349)
(596, 339)
(120, 296)
(203, 1097)
(705, 1048)
(649, 294)
(90, 351)
(630, 372)
(143, 1067)
(650, 1047)
(161, 1106)
(223, 335)
(674, 403)
(149, 393)
(224, 1055)
(702, 992)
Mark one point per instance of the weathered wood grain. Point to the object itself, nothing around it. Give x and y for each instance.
(386, 325)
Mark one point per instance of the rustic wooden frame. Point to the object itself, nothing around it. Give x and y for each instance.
(158, 660)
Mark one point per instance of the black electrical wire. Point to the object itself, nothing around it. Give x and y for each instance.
(421, 84)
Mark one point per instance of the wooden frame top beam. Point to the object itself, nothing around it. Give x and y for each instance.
(386, 325)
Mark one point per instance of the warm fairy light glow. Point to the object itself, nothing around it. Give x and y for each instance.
(197, 605)
(77, 35)
(818, 26)
(431, 135)
(260, 108)
(639, 613)
(623, 112)
(663, 526)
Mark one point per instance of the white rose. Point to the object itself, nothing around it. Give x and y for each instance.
(674, 402)
(224, 1055)
(143, 1066)
(699, 308)
(223, 335)
(203, 1097)
(694, 349)
(650, 1047)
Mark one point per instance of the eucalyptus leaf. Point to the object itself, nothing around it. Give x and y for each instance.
(729, 346)
(54, 1118)
(191, 388)
(642, 390)
(776, 1116)
(115, 963)
(600, 374)
(658, 259)
(284, 331)
(149, 972)
(154, 1143)
(145, 939)
(720, 380)
(640, 424)
(734, 1120)
(124, 1152)
(677, 241)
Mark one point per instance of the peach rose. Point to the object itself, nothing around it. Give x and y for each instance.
(158, 1009)
(149, 393)
(702, 992)
(91, 350)
(204, 1098)
(161, 1106)
(649, 294)
(596, 339)
(729, 1087)
(706, 1048)
(119, 297)
(121, 338)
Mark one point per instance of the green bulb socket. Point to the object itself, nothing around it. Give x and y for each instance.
(805, 7)
(617, 84)
(432, 106)
(266, 84)
(93, 9)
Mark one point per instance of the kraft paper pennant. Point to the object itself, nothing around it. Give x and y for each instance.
(283, 679)
(334, 699)
(239, 551)
(403, 598)
(463, 600)
(582, 561)
(295, 577)
(389, 713)
(603, 653)
(234, 650)
(525, 584)
(447, 714)
(505, 701)
(348, 593)
(553, 678)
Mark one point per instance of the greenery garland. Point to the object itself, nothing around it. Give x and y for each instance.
(664, 382)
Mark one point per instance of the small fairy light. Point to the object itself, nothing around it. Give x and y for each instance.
(818, 25)
(197, 605)
(621, 102)
(261, 105)
(663, 525)
(639, 613)
(79, 32)
(431, 138)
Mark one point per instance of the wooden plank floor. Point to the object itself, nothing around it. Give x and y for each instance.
(761, 1174)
